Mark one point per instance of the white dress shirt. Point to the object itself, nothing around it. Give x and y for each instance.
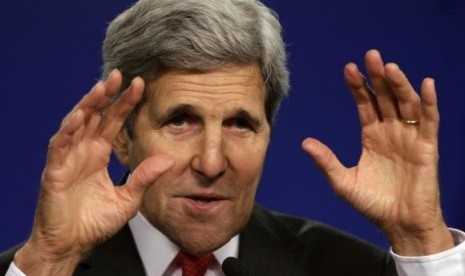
(447, 263)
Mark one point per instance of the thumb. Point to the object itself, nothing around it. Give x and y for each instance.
(146, 173)
(326, 161)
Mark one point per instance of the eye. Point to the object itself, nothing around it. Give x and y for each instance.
(181, 123)
(241, 124)
(178, 120)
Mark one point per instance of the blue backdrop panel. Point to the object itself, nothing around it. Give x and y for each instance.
(51, 56)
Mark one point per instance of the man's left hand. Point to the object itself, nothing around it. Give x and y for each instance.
(395, 183)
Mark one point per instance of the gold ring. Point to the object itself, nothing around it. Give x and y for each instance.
(410, 122)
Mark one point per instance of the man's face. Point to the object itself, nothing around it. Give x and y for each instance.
(214, 125)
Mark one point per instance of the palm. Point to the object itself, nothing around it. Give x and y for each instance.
(393, 156)
(83, 180)
(79, 206)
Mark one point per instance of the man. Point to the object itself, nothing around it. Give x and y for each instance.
(189, 93)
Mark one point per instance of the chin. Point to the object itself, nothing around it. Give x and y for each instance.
(202, 243)
(197, 240)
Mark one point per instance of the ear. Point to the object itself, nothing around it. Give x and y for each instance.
(121, 146)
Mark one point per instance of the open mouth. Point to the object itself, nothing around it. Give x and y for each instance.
(203, 200)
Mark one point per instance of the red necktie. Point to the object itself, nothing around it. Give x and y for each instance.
(193, 265)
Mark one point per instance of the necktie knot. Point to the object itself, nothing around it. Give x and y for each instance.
(193, 265)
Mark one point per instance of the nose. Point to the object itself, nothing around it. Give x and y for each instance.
(210, 160)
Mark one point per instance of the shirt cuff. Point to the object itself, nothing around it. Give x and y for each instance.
(13, 270)
(447, 263)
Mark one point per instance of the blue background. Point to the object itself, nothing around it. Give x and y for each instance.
(50, 56)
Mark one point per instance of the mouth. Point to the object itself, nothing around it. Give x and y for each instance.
(203, 199)
(203, 203)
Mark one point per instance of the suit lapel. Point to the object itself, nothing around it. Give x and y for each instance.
(267, 248)
(116, 256)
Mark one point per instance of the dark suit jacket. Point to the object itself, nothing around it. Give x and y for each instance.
(271, 244)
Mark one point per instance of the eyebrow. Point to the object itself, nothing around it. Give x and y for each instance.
(177, 110)
(182, 109)
(254, 120)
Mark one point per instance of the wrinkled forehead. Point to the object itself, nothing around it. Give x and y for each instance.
(231, 85)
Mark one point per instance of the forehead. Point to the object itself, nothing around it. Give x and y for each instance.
(229, 85)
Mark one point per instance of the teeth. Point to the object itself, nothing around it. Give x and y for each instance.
(201, 201)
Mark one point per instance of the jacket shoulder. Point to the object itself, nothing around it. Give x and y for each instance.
(311, 247)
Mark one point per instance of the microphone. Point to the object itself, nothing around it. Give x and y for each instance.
(233, 267)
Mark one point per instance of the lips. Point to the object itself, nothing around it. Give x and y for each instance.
(204, 199)
(203, 202)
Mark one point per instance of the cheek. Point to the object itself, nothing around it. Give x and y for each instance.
(156, 201)
(248, 164)
(153, 144)
(249, 158)
(248, 178)
(139, 151)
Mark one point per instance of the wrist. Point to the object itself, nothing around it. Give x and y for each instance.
(35, 258)
(421, 243)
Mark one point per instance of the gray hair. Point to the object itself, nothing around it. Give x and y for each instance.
(155, 35)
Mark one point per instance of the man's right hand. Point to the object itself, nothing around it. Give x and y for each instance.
(78, 204)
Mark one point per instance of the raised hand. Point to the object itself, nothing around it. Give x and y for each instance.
(78, 204)
(395, 183)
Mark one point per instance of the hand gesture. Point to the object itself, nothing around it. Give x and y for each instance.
(78, 204)
(395, 183)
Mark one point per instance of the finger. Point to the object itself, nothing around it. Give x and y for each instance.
(71, 129)
(93, 121)
(146, 173)
(384, 96)
(85, 101)
(327, 162)
(364, 98)
(120, 109)
(60, 142)
(98, 100)
(101, 95)
(112, 85)
(89, 108)
(113, 82)
(429, 122)
(408, 101)
(85, 111)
